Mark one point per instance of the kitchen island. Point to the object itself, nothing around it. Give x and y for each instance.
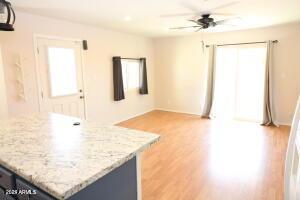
(51, 156)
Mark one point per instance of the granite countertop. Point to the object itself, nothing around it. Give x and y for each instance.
(60, 158)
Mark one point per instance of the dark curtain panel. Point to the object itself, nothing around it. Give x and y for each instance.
(118, 79)
(143, 77)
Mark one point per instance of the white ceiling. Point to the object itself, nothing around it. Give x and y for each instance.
(146, 14)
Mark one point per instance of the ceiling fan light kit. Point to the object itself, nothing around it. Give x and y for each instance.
(7, 16)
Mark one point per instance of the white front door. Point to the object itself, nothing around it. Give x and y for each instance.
(60, 77)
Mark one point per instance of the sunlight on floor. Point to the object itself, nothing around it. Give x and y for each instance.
(200, 159)
(234, 154)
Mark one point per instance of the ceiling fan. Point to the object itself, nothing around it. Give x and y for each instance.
(203, 19)
(205, 22)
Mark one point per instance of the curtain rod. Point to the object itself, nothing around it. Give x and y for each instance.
(220, 45)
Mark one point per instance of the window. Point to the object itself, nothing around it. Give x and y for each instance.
(250, 83)
(131, 74)
(239, 91)
(62, 71)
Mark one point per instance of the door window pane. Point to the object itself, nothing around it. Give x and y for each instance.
(62, 71)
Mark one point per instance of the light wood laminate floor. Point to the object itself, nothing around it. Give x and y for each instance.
(200, 159)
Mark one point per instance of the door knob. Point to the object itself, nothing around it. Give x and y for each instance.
(81, 97)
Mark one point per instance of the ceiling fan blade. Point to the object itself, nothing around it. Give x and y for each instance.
(195, 21)
(191, 7)
(184, 27)
(179, 15)
(199, 29)
(221, 14)
(196, 15)
(201, 12)
(228, 21)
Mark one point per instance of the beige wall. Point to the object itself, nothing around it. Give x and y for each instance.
(3, 98)
(180, 68)
(103, 45)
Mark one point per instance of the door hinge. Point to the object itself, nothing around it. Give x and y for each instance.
(42, 94)
(38, 51)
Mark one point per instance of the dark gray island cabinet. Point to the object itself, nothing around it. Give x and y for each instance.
(121, 184)
(13, 187)
(59, 161)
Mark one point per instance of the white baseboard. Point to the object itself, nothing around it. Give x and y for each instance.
(284, 123)
(191, 113)
(178, 111)
(132, 116)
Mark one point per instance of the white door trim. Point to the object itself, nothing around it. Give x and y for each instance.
(37, 67)
(3, 96)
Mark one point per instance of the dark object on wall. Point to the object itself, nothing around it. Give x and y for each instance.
(143, 77)
(8, 16)
(85, 45)
(118, 79)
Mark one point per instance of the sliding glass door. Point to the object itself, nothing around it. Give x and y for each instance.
(239, 88)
